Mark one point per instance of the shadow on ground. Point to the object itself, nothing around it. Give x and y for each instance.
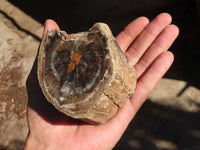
(162, 128)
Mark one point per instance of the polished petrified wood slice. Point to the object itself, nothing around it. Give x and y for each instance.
(85, 75)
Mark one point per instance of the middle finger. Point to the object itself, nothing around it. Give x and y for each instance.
(149, 34)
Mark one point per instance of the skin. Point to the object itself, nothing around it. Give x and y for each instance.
(146, 44)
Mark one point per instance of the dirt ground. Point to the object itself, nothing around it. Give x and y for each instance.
(169, 120)
(17, 52)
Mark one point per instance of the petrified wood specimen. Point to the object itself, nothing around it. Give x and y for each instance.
(85, 75)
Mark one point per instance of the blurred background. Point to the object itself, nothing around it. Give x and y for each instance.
(169, 119)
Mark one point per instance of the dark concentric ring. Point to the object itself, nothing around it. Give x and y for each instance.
(82, 75)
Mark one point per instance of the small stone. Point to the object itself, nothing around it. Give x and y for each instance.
(12, 100)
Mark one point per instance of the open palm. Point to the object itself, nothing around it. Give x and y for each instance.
(146, 44)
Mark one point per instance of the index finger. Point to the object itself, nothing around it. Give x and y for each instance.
(131, 32)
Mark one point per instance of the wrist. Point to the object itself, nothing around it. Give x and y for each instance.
(32, 144)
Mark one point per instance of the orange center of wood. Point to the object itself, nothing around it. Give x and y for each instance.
(75, 60)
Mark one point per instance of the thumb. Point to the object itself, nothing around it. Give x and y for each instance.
(49, 24)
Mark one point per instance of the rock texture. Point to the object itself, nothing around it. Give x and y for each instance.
(85, 75)
(17, 54)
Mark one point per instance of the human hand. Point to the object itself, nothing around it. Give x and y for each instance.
(146, 46)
